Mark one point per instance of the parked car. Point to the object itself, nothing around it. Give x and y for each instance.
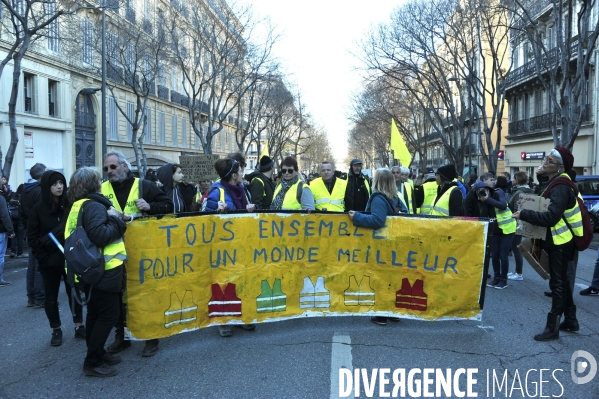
(589, 189)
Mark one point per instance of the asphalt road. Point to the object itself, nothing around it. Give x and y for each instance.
(301, 358)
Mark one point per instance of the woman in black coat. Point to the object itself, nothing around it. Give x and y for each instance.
(49, 216)
(105, 229)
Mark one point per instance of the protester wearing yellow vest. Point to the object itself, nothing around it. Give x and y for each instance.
(105, 229)
(559, 240)
(328, 191)
(493, 204)
(425, 194)
(405, 189)
(288, 194)
(131, 197)
(357, 191)
(449, 201)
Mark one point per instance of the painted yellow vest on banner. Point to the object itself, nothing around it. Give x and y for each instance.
(192, 272)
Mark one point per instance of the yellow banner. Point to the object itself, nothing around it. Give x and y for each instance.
(192, 272)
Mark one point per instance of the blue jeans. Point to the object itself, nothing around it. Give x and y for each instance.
(500, 248)
(517, 254)
(35, 284)
(595, 282)
(3, 242)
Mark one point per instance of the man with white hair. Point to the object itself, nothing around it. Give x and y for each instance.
(404, 188)
(131, 197)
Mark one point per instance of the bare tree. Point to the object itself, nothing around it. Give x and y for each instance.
(29, 22)
(316, 150)
(219, 63)
(561, 59)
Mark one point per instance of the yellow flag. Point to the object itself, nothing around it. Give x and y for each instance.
(264, 152)
(400, 151)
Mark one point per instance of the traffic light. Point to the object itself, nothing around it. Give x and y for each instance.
(500, 155)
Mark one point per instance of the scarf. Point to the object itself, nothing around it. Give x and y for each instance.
(277, 202)
(237, 193)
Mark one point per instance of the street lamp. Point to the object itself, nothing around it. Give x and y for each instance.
(103, 89)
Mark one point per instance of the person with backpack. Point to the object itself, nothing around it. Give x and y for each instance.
(229, 194)
(563, 220)
(49, 216)
(105, 229)
(520, 187)
(30, 194)
(261, 186)
(291, 192)
(383, 202)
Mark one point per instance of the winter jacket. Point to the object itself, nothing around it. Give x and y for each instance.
(214, 197)
(46, 217)
(261, 188)
(357, 192)
(379, 207)
(562, 198)
(471, 204)
(165, 175)
(6, 225)
(497, 199)
(30, 194)
(159, 203)
(102, 230)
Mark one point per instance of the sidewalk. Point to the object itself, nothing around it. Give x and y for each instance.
(15, 263)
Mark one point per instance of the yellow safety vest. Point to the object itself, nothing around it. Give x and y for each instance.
(400, 196)
(561, 233)
(430, 193)
(134, 195)
(333, 202)
(505, 221)
(367, 185)
(441, 207)
(290, 201)
(115, 253)
(409, 189)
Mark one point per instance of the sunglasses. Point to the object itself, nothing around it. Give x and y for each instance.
(112, 167)
(287, 171)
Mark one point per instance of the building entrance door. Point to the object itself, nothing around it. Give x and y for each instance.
(85, 132)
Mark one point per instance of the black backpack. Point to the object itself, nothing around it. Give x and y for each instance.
(85, 261)
(14, 209)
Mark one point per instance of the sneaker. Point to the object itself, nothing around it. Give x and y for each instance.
(102, 371)
(493, 283)
(4, 283)
(30, 303)
(501, 285)
(80, 332)
(515, 277)
(56, 338)
(225, 331)
(589, 291)
(12, 255)
(111, 360)
(381, 321)
(38, 304)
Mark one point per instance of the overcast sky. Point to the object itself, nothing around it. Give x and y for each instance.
(315, 49)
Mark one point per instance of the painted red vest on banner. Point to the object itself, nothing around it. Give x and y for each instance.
(225, 303)
(411, 297)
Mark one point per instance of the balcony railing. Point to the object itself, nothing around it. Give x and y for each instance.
(114, 73)
(163, 92)
(147, 26)
(28, 104)
(185, 101)
(543, 122)
(175, 97)
(149, 87)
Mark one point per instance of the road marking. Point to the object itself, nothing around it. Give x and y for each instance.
(340, 358)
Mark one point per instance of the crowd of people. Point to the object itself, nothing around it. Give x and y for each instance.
(103, 208)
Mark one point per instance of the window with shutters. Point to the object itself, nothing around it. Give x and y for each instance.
(130, 116)
(30, 93)
(184, 133)
(174, 131)
(87, 42)
(161, 122)
(53, 110)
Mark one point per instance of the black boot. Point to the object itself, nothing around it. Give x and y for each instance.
(570, 323)
(551, 331)
(118, 345)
